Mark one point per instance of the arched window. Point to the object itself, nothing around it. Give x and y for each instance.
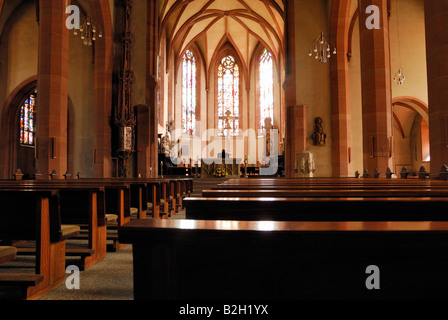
(266, 88)
(189, 90)
(228, 97)
(27, 121)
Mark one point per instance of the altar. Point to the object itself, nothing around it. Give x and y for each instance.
(231, 166)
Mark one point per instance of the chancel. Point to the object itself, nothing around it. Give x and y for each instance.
(218, 149)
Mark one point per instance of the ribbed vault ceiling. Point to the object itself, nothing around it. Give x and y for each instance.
(211, 23)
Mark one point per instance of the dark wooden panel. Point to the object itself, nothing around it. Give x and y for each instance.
(318, 209)
(187, 259)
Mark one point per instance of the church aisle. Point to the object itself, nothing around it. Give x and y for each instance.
(110, 279)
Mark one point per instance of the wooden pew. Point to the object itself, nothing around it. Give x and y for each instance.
(262, 260)
(130, 192)
(34, 215)
(169, 197)
(311, 199)
(158, 196)
(82, 205)
(319, 209)
(165, 195)
(180, 187)
(327, 193)
(116, 203)
(325, 183)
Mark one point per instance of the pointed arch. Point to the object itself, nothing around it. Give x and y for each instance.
(10, 126)
(225, 47)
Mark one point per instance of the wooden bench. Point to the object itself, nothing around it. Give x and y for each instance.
(82, 205)
(325, 183)
(327, 192)
(34, 215)
(130, 192)
(262, 260)
(319, 209)
(165, 195)
(168, 196)
(114, 202)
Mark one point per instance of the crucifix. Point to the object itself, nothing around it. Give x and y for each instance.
(227, 118)
(226, 128)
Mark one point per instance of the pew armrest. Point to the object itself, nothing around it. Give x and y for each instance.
(7, 253)
(69, 231)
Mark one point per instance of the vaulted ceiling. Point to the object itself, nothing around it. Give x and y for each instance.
(211, 23)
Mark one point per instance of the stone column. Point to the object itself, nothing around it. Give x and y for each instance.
(104, 55)
(376, 89)
(340, 104)
(52, 88)
(295, 131)
(436, 25)
(151, 84)
(295, 136)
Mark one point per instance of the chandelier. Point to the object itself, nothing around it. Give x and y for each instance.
(320, 49)
(399, 77)
(89, 31)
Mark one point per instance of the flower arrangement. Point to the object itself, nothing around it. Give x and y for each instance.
(220, 172)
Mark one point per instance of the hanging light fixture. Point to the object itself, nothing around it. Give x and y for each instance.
(320, 49)
(89, 31)
(399, 77)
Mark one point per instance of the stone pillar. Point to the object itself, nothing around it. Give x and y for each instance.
(151, 84)
(376, 90)
(103, 167)
(52, 88)
(340, 104)
(295, 131)
(295, 136)
(436, 25)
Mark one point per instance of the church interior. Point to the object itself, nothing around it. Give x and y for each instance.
(147, 123)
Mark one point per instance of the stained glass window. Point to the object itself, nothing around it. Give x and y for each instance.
(266, 88)
(228, 97)
(27, 121)
(189, 91)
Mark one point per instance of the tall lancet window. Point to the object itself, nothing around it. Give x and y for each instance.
(228, 97)
(27, 121)
(266, 88)
(189, 93)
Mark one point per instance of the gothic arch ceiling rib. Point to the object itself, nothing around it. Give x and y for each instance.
(207, 22)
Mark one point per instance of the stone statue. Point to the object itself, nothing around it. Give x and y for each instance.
(166, 142)
(318, 136)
